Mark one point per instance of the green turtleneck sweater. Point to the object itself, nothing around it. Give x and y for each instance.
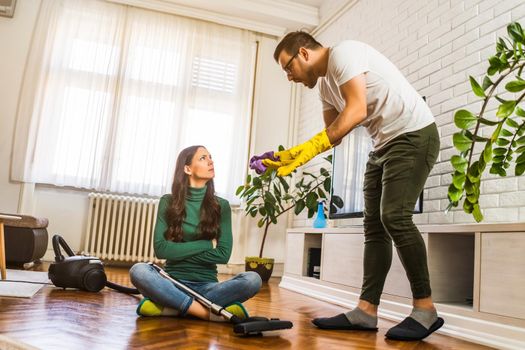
(193, 259)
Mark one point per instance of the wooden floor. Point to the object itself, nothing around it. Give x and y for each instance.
(58, 319)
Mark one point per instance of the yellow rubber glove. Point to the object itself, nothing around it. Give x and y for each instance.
(291, 159)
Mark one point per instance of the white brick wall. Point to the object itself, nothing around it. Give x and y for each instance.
(437, 45)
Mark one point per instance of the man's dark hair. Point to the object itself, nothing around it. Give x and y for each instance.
(293, 41)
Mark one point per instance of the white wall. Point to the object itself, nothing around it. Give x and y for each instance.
(15, 37)
(67, 208)
(437, 44)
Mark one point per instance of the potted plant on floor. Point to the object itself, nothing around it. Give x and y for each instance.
(505, 144)
(269, 196)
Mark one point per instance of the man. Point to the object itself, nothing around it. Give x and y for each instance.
(359, 86)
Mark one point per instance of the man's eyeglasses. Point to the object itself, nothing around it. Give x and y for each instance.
(286, 68)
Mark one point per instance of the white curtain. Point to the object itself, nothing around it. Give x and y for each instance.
(113, 93)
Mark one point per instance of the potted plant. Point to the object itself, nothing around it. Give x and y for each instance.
(506, 143)
(269, 196)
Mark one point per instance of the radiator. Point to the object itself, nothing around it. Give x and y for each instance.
(120, 228)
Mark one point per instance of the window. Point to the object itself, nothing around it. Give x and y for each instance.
(120, 91)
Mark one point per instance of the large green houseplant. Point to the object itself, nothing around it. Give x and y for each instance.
(268, 196)
(504, 143)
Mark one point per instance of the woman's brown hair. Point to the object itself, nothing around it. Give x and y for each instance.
(210, 212)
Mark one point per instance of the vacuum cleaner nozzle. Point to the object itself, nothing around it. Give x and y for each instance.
(257, 325)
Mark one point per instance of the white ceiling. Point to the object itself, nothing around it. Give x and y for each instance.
(274, 17)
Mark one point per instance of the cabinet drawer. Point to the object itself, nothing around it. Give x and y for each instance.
(343, 259)
(502, 268)
(294, 253)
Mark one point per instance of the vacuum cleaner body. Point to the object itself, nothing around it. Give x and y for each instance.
(81, 272)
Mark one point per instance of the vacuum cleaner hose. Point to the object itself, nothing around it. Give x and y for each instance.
(122, 289)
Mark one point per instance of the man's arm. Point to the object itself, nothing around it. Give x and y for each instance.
(354, 112)
(329, 116)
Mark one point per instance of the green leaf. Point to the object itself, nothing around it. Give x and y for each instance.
(284, 184)
(477, 213)
(287, 197)
(520, 169)
(520, 112)
(469, 187)
(506, 133)
(464, 119)
(454, 194)
(521, 140)
(515, 85)
(338, 201)
(459, 163)
(299, 206)
(487, 153)
(472, 198)
(461, 142)
(478, 90)
(495, 63)
(239, 190)
(327, 184)
(512, 123)
(520, 149)
(458, 180)
(506, 109)
(257, 182)
(467, 207)
(324, 172)
(269, 197)
(498, 159)
(487, 122)
(521, 158)
(311, 212)
(502, 142)
(500, 151)
(486, 83)
(515, 32)
(492, 70)
(311, 200)
(473, 172)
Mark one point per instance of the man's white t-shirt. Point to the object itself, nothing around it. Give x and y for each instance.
(393, 106)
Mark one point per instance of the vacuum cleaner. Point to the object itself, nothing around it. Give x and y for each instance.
(81, 272)
(87, 273)
(248, 326)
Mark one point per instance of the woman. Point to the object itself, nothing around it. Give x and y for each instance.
(193, 233)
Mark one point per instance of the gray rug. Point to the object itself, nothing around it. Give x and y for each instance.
(13, 344)
(19, 289)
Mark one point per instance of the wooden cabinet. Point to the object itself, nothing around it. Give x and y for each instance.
(477, 275)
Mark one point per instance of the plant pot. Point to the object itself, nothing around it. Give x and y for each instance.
(263, 266)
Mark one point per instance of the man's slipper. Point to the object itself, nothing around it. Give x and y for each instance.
(410, 329)
(339, 322)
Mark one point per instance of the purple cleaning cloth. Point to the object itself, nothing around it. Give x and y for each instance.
(257, 164)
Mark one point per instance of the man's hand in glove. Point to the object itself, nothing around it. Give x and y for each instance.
(294, 157)
(256, 162)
